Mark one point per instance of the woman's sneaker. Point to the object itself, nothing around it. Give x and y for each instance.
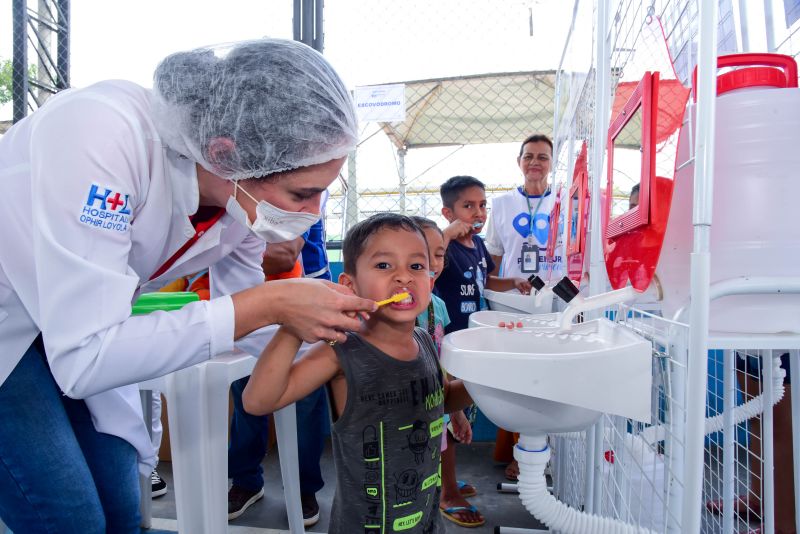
(310, 509)
(157, 484)
(240, 499)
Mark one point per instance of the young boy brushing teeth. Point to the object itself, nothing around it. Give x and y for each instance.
(387, 389)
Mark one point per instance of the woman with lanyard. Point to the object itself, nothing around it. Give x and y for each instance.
(113, 190)
(516, 238)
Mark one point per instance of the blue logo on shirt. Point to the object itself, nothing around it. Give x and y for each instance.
(522, 224)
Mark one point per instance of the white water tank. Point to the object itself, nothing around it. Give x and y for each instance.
(756, 210)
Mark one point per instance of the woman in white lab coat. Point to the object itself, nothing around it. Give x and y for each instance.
(113, 190)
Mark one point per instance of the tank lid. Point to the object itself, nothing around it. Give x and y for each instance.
(750, 77)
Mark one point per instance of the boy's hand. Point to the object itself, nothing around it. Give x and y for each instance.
(523, 286)
(456, 230)
(462, 430)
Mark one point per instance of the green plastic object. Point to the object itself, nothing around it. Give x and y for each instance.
(150, 302)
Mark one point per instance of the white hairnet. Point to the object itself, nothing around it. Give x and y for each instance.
(277, 105)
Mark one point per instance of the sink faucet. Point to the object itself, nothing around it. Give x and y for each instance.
(539, 290)
(578, 304)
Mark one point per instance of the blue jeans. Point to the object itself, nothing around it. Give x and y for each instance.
(250, 434)
(57, 473)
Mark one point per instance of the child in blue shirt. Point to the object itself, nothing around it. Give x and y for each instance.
(460, 285)
(467, 262)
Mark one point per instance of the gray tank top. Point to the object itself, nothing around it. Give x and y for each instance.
(386, 444)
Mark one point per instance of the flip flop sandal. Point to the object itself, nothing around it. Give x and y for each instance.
(465, 489)
(509, 476)
(449, 514)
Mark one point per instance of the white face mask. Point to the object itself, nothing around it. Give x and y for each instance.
(272, 224)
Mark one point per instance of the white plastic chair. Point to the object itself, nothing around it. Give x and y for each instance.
(197, 399)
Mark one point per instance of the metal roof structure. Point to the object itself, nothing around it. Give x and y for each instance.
(477, 109)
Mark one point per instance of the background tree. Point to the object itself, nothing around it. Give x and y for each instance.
(5, 81)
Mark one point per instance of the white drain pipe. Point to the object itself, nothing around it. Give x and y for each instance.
(532, 454)
(741, 413)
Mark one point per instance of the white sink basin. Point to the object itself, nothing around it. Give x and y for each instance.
(514, 301)
(532, 381)
(493, 318)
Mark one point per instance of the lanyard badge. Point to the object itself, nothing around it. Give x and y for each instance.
(529, 258)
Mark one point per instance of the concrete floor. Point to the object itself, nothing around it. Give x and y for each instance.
(268, 515)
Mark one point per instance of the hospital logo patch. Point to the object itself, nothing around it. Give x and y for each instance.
(106, 209)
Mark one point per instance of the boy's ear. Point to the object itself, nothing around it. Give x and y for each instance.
(346, 280)
(448, 214)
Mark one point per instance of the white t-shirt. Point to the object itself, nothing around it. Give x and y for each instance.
(509, 227)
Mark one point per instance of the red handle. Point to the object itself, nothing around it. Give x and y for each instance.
(786, 63)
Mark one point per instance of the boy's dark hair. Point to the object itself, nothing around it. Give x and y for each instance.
(356, 239)
(535, 138)
(635, 189)
(426, 223)
(452, 188)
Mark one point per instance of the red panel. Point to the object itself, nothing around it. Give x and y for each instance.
(577, 217)
(632, 242)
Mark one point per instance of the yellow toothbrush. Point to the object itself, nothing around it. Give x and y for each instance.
(393, 298)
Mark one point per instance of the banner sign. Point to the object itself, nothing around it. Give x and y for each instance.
(381, 103)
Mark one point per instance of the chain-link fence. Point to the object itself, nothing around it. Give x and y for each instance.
(479, 77)
(40, 63)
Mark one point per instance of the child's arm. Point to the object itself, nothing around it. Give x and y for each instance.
(277, 381)
(456, 397)
(495, 283)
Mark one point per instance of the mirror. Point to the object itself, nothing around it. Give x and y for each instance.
(631, 159)
(574, 203)
(627, 158)
(577, 216)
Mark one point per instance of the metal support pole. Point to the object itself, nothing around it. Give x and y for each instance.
(729, 440)
(44, 34)
(351, 204)
(769, 22)
(794, 373)
(597, 477)
(297, 16)
(744, 25)
(588, 486)
(19, 62)
(597, 268)
(767, 434)
(675, 451)
(319, 35)
(62, 44)
(307, 22)
(700, 265)
(145, 486)
(401, 170)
